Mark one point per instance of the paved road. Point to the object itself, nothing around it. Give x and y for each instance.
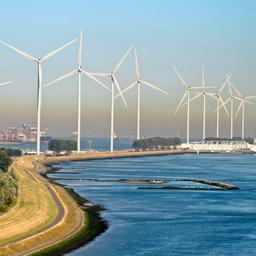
(58, 218)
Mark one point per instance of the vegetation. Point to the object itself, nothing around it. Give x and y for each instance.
(12, 152)
(8, 190)
(248, 140)
(62, 145)
(5, 161)
(156, 142)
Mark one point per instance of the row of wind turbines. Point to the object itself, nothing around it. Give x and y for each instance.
(115, 88)
(115, 91)
(234, 94)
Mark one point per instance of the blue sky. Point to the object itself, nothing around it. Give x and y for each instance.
(186, 33)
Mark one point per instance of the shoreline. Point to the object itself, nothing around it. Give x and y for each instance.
(96, 225)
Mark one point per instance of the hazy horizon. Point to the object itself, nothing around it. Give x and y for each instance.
(187, 34)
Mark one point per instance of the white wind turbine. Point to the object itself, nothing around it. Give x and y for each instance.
(114, 84)
(39, 81)
(78, 71)
(138, 82)
(241, 107)
(186, 94)
(203, 93)
(219, 100)
(231, 100)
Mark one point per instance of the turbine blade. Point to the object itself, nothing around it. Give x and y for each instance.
(100, 74)
(240, 105)
(224, 105)
(24, 54)
(203, 78)
(229, 87)
(237, 98)
(79, 56)
(5, 83)
(250, 97)
(94, 78)
(181, 101)
(212, 95)
(201, 87)
(47, 56)
(223, 85)
(238, 93)
(153, 86)
(122, 59)
(194, 98)
(249, 102)
(127, 89)
(180, 78)
(60, 78)
(136, 64)
(119, 90)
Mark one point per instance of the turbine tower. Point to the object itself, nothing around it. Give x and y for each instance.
(78, 71)
(241, 107)
(39, 62)
(138, 82)
(114, 85)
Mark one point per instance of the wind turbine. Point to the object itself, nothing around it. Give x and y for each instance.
(114, 84)
(78, 71)
(203, 93)
(186, 94)
(231, 100)
(241, 107)
(138, 82)
(39, 81)
(219, 100)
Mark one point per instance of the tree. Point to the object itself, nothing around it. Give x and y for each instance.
(62, 145)
(155, 142)
(5, 161)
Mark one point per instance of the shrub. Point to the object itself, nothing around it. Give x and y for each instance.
(5, 161)
(8, 189)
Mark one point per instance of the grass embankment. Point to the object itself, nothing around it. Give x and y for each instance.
(35, 221)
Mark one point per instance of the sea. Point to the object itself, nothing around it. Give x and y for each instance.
(153, 222)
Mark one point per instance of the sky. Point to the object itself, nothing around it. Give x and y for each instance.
(185, 33)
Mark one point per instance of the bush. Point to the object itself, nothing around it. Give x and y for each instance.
(8, 189)
(5, 161)
(62, 145)
(12, 151)
(155, 142)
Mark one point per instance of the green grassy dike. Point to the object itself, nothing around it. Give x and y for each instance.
(94, 225)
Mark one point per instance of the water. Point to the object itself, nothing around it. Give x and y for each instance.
(170, 222)
(101, 144)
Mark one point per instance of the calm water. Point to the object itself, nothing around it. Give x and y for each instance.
(96, 144)
(170, 222)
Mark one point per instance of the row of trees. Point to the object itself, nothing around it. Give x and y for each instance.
(248, 140)
(156, 142)
(62, 145)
